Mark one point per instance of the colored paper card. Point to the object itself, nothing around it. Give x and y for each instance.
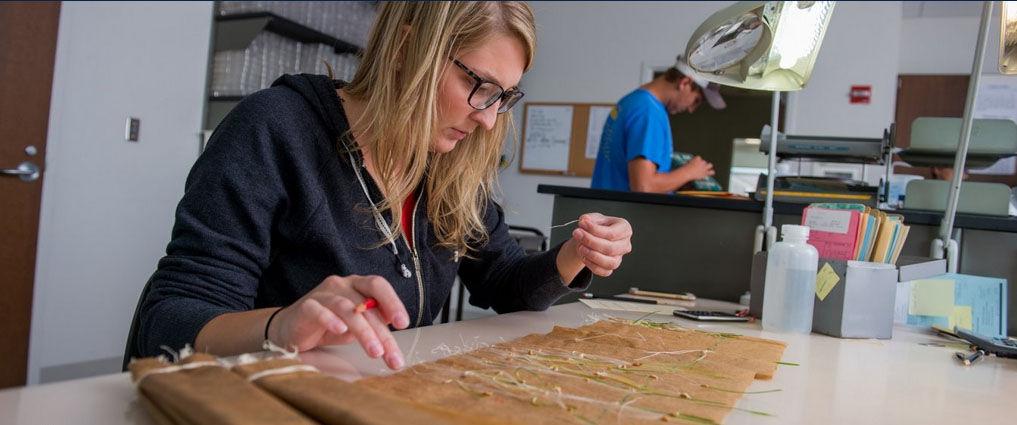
(826, 279)
(961, 317)
(985, 295)
(932, 297)
(868, 235)
(863, 223)
(883, 239)
(827, 220)
(832, 232)
(872, 233)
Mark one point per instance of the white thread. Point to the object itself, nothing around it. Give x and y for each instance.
(247, 358)
(175, 368)
(677, 353)
(171, 351)
(184, 353)
(283, 370)
(564, 224)
(413, 347)
(287, 354)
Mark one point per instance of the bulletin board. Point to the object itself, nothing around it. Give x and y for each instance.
(562, 138)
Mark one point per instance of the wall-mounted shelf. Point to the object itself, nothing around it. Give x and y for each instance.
(238, 30)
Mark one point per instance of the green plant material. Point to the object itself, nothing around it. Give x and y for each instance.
(567, 360)
(621, 379)
(686, 397)
(523, 369)
(476, 393)
(585, 420)
(788, 364)
(693, 418)
(636, 322)
(601, 378)
(719, 334)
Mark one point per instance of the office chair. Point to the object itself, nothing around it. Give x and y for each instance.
(529, 238)
(131, 350)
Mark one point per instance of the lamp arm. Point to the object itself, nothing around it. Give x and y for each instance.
(771, 168)
(946, 226)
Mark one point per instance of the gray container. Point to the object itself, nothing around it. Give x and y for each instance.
(861, 304)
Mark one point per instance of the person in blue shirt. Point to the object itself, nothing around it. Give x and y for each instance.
(636, 145)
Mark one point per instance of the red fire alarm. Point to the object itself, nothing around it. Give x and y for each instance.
(861, 94)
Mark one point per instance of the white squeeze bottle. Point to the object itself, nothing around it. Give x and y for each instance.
(790, 284)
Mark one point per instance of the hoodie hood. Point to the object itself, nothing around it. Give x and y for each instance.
(320, 94)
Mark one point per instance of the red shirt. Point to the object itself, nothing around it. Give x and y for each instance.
(407, 219)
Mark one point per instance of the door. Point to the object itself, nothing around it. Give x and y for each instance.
(28, 34)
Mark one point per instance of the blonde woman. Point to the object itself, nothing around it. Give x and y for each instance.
(314, 196)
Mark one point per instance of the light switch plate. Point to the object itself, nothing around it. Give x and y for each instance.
(132, 129)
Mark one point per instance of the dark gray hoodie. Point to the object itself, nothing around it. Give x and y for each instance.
(272, 207)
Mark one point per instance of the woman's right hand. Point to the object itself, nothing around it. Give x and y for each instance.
(325, 316)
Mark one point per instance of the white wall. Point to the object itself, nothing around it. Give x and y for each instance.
(593, 51)
(860, 48)
(946, 45)
(108, 204)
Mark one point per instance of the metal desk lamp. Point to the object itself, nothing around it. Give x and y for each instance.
(761, 45)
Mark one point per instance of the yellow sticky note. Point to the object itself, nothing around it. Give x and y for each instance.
(826, 279)
(961, 317)
(932, 297)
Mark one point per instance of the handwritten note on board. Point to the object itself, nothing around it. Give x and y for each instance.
(548, 133)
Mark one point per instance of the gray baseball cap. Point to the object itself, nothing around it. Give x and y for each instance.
(711, 90)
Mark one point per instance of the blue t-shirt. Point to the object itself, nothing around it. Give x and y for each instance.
(637, 127)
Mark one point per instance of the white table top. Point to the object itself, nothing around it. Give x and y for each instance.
(847, 381)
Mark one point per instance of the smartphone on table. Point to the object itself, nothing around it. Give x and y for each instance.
(710, 316)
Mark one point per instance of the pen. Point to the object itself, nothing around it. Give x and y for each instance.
(589, 295)
(968, 359)
(366, 305)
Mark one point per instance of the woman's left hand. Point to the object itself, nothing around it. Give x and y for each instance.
(599, 244)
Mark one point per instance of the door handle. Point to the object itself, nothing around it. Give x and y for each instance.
(27, 171)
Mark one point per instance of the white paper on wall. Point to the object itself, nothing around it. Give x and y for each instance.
(997, 98)
(548, 134)
(594, 129)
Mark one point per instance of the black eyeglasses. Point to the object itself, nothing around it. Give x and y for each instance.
(486, 92)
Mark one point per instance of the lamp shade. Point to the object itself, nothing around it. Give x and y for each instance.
(1008, 39)
(760, 45)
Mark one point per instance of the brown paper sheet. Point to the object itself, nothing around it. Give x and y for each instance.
(609, 372)
(335, 402)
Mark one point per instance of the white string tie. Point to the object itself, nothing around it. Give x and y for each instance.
(283, 370)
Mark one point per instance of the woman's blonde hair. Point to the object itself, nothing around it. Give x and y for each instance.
(409, 50)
